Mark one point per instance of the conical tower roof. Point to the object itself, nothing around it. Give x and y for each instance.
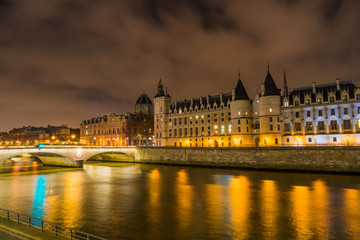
(161, 92)
(240, 92)
(270, 86)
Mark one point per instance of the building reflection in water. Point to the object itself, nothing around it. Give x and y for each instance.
(65, 207)
(239, 190)
(185, 199)
(352, 213)
(154, 189)
(214, 194)
(38, 206)
(320, 209)
(269, 208)
(300, 198)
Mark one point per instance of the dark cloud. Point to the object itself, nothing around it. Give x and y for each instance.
(63, 61)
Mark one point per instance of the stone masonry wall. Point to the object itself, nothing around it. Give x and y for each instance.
(333, 159)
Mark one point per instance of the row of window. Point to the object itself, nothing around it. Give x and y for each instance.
(321, 126)
(344, 98)
(320, 112)
(202, 118)
(114, 130)
(195, 131)
(196, 109)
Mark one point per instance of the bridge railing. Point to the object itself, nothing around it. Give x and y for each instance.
(42, 225)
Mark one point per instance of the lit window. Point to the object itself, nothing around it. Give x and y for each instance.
(270, 109)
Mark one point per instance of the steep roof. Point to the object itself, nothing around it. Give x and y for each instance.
(324, 90)
(240, 92)
(161, 92)
(270, 86)
(213, 100)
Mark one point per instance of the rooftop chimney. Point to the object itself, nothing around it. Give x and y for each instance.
(337, 84)
(314, 87)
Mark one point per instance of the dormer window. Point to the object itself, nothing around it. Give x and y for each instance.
(345, 98)
(296, 103)
(307, 102)
(286, 104)
(332, 99)
(319, 101)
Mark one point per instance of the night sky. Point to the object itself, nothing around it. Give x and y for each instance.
(63, 61)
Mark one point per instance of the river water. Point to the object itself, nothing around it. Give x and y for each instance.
(139, 201)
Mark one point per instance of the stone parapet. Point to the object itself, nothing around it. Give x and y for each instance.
(329, 159)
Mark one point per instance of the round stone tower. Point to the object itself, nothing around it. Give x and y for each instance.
(269, 113)
(241, 130)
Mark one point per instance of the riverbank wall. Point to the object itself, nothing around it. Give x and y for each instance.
(329, 159)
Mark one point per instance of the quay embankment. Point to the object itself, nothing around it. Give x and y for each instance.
(321, 158)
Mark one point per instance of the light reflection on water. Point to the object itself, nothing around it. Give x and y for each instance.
(132, 201)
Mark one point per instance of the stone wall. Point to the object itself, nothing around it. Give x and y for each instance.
(334, 159)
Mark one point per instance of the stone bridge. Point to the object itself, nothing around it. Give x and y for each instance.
(69, 156)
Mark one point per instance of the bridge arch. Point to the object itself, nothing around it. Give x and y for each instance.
(47, 158)
(110, 156)
(71, 156)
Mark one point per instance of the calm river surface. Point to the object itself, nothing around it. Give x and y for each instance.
(138, 201)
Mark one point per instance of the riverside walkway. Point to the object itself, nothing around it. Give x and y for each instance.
(18, 226)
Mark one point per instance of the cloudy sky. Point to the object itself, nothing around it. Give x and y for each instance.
(63, 61)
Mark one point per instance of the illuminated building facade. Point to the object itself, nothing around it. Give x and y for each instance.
(317, 115)
(121, 129)
(322, 115)
(31, 135)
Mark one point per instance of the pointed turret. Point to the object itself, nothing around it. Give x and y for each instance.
(161, 92)
(240, 92)
(270, 86)
(286, 89)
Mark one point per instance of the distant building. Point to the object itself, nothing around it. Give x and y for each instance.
(31, 135)
(316, 115)
(121, 129)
